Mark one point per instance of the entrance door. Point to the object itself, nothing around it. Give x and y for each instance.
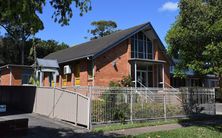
(141, 78)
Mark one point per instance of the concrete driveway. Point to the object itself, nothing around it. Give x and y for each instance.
(43, 127)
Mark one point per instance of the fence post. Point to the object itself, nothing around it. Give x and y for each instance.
(131, 105)
(90, 108)
(214, 101)
(164, 106)
(53, 110)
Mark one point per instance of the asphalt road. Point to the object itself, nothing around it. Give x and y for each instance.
(43, 127)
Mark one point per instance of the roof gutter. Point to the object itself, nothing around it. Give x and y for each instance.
(13, 65)
(70, 60)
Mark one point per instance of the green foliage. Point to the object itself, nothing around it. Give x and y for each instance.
(34, 81)
(126, 81)
(196, 36)
(114, 84)
(9, 55)
(8, 51)
(102, 28)
(204, 131)
(121, 112)
(45, 47)
(20, 18)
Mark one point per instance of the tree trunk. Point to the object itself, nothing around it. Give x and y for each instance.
(22, 53)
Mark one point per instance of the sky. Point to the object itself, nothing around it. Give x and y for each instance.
(126, 13)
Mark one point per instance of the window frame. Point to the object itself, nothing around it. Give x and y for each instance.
(146, 43)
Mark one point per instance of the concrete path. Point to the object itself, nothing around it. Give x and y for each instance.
(166, 127)
(43, 127)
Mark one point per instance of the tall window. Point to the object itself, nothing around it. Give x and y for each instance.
(141, 46)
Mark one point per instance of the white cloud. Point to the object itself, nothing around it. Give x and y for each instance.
(169, 6)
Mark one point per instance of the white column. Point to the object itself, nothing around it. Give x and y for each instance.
(163, 75)
(10, 81)
(135, 74)
(54, 76)
(41, 78)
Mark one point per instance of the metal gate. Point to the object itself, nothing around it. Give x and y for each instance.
(63, 104)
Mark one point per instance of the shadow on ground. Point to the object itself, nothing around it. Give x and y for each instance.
(44, 132)
(213, 122)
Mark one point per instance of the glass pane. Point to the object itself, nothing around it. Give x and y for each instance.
(150, 50)
(140, 35)
(150, 79)
(132, 48)
(140, 49)
(135, 48)
(150, 56)
(145, 50)
(150, 68)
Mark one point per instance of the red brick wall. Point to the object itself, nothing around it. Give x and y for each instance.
(83, 73)
(158, 55)
(17, 76)
(46, 79)
(105, 71)
(70, 78)
(5, 77)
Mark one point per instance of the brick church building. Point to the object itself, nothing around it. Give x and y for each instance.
(136, 51)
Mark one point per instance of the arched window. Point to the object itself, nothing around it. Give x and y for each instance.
(141, 46)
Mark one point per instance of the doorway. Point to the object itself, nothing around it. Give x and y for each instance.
(141, 78)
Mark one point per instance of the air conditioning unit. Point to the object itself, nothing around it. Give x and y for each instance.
(67, 69)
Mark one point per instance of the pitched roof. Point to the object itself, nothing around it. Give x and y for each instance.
(47, 63)
(96, 47)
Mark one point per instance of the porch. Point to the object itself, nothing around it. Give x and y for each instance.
(148, 72)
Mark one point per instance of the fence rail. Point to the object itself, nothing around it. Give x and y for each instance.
(116, 104)
(97, 105)
(63, 104)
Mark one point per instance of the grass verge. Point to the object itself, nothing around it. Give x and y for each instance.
(118, 126)
(210, 131)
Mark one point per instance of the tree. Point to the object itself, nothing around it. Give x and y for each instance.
(43, 47)
(196, 37)
(20, 18)
(8, 53)
(102, 28)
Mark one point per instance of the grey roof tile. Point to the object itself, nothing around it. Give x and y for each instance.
(47, 63)
(93, 47)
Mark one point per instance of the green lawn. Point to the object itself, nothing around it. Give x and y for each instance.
(119, 126)
(112, 127)
(188, 132)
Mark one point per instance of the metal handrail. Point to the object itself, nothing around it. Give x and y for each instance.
(170, 86)
(174, 89)
(145, 88)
